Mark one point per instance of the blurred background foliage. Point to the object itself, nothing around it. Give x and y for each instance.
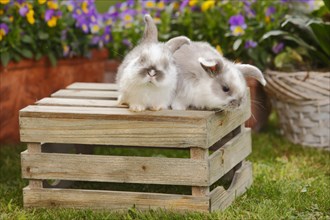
(283, 34)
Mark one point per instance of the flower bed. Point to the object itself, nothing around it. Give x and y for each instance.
(56, 29)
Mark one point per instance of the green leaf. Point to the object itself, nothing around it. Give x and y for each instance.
(272, 34)
(38, 56)
(16, 57)
(321, 31)
(237, 43)
(5, 58)
(43, 35)
(327, 3)
(27, 39)
(26, 53)
(52, 58)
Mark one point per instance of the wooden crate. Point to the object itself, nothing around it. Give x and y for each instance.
(87, 113)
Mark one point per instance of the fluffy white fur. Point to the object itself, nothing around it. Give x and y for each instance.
(147, 77)
(142, 93)
(204, 76)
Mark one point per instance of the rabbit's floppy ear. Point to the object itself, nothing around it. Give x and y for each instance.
(252, 71)
(212, 66)
(150, 34)
(176, 42)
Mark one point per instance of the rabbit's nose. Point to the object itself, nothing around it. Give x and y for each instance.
(236, 102)
(152, 73)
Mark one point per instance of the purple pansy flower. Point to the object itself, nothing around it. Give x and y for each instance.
(23, 10)
(128, 16)
(130, 3)
(237, 20)
(250, 44)
(237, 24)
(270, 10)
(20, 1)
(183, 4)
(4, 28)
(49, 14)
(277, 48)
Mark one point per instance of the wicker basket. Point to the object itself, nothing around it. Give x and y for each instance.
(302, 102)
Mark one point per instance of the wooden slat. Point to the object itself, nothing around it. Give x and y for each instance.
(119, 126)
(93, 86)
(34, 148)
(113, 113)
(86, 94)
(79, 102)
(228, 156)
(221, 123)
(178, 134)
(221, 198)
(121, 169)
(200, 154)
(99, 199)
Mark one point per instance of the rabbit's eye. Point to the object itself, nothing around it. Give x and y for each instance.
(225, 88)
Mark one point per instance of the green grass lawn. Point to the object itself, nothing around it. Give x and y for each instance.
(290, 182)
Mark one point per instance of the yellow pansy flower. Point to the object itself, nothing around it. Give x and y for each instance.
(11, 18)
(52, 5)
(95, 28)
(267, 19)
(238, 30)
(4, 2)
(193, 3)
(161, 5)
(52, 22)
(207, 5)
(149, 4)
(30, 17)
(41, 2)
(128, 18)
(2, 34)
(70, 7)
(84, 7)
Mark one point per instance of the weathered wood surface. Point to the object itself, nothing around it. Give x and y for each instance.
(89, 114)
(200, 154)
(81, 117)
(34, 148)
(161, 133)
(221, 198)
(83, 94)
(221, 123)
(122, 169)
(228, 156)
(115, 200)
(80, 102)
(93, 86)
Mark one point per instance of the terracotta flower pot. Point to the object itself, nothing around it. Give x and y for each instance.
(23, 83)
(111, 68)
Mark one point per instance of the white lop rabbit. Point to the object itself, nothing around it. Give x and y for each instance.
(207, 80)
